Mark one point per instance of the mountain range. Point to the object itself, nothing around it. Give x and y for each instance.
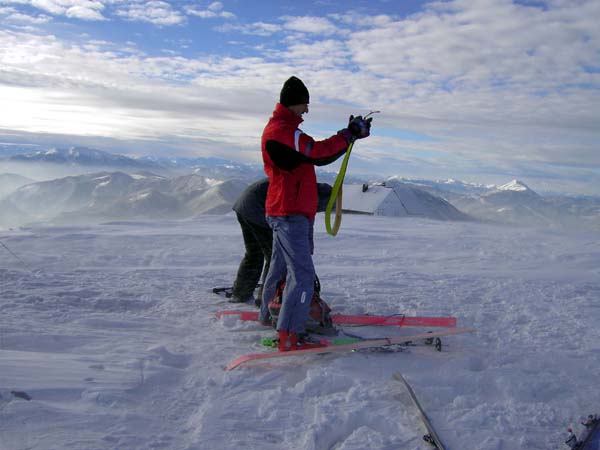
(103, 196)
(92, 159)
(516, 203)
(106, 186)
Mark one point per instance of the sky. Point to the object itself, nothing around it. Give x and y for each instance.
(478, 90)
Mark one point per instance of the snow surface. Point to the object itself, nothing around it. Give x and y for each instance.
(111, 331)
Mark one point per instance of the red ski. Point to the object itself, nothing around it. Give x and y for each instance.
(368, 343)
(342, 319)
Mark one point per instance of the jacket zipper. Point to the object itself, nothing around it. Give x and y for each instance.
(297, 191)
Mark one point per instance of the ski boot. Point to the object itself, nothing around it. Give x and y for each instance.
(293, 341)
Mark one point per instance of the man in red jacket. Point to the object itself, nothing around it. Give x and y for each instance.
(289, 157)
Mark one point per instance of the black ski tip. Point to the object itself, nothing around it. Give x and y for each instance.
(223, 291)
(21, 394)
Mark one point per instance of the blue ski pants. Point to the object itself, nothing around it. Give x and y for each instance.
(292, 259)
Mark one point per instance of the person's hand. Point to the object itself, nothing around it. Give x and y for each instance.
(359, 127)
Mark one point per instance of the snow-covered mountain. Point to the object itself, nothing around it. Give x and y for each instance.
(516, 203)
(422, 203)
(82, 156)
(47, 199)
(60, 162)
(516, 186)
(513, 203)
(117, 195)
(442, 187)
(208, 167)
(395, 198)
(217, 199)
(11, 215)
(102, 196)
(11, 149)
(584, 206)
(9, 182)
(179, 186)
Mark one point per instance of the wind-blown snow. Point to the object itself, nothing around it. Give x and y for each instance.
(111, 331)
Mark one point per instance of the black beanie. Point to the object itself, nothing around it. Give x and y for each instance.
(293, 92)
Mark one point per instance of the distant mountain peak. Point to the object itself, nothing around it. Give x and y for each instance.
(515, 185)
(83, 156)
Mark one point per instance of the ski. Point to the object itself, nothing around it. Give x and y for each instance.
(364, 344)
(227, 291)
(366, 320)
(272, 342)
(431, 437)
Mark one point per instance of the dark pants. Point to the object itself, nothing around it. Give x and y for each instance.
(259, 243)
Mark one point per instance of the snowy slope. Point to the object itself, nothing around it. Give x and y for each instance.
(111, 330)
(398, 200)
(419, 202)
(372, 199)
(9, 182)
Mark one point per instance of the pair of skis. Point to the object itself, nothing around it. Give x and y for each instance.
(364, 344)
(363, 320)
(334, 346)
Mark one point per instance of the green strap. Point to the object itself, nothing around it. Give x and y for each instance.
(336, 193)
(337, 187)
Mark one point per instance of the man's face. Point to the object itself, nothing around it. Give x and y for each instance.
(299, 109)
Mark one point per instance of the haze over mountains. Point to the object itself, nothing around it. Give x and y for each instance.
(77, 184)
(102, 196)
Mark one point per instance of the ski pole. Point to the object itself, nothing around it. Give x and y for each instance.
(15, 255)
(336, 193)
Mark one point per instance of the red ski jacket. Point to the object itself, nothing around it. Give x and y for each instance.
(289, 157)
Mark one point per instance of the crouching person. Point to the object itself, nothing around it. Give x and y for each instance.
(258, 239)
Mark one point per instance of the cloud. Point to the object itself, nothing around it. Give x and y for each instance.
(257, 29)
(491, 82)
(313, 25)
(80, 9)
(326, 53)
(93, 90)
(482, 44)
(12, 15)
(155, 11)
(298, 28)
(214, 10)
(85, 12)
(357, 19)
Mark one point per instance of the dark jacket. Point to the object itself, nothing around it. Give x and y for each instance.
(289, 157)
(251, 203)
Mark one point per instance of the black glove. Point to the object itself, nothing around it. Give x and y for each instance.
(359, 127)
